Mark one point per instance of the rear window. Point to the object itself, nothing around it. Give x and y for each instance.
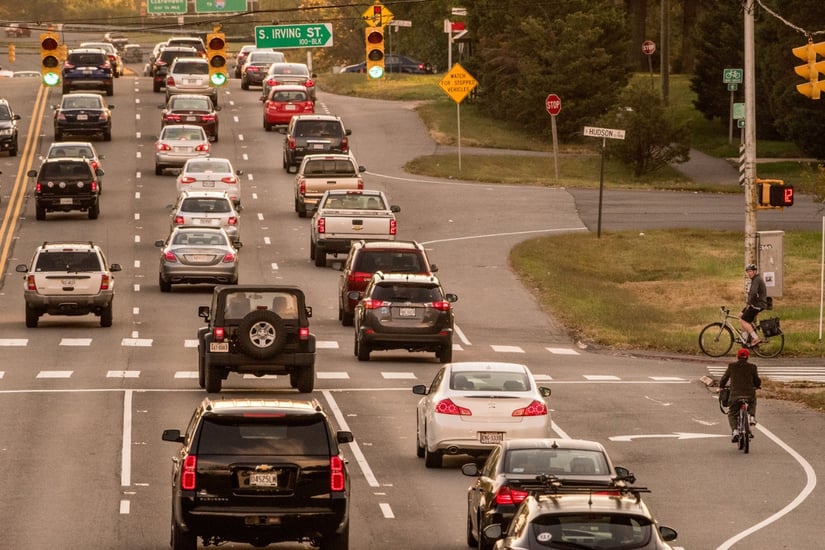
(389, 262)
(289, 435)
(81, 102)
(70, 151)
(555, 461)
(318, 128)
(67, 261)
(205, 205)
(86, 59)
(70, 170)
(328, 166)
(265, 57)
(490, 381)
(407, 293)
(191, 67)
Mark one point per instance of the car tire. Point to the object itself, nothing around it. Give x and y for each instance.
(336, 541)
(320, 257)
(201, 367)
(302, 210)
(212, 380)
(445, 354)
(165, 286)
(58, 136)
(39, 212)
(106, 316)
(181, 540)
(158, 170)
(110, 90)
(305, 379)
(13, 150)
(244, 84)
(94, 211)
(419, 448)
(156, 87)
(363, 350)
(107, 135)
(267, 126)
(433, 459)
(312, 250)
(32, 316)
(347, 319)
(472, 541)
(261, 334)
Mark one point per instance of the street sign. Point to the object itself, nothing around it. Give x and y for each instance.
(165, 6)
(219, 6)
(400, 23)
(648, 47)
(609, 133)
(458, 11)
(738, 111)
(283, 37)
(553, 104)
(732, 87)
(732, 76)
(458, 83)
(377, 15)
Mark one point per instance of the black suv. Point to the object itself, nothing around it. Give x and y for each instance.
(256, 329)
(310, 134)
(404, 311)
(160, 68)
(259, 472)
(8, 128)
(367, 257)
(65, 184)
(88, 68)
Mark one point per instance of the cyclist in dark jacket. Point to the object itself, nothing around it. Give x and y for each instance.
(757, 301)
(744, 381)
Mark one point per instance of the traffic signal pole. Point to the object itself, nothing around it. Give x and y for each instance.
(750, 135)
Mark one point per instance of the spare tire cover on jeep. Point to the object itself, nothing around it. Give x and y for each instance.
(261, 334)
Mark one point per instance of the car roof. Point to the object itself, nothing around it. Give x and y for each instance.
(190, 60)
(551, 443)
(63, 245)
(398, 245)
(205, 194)
(497, 366)
(234, 406)
(591, 502)
(333, 118)
(395, 278)
(88, 49)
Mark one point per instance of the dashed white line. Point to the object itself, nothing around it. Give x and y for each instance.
(399, 375)
(54, 374)
(326, 344)
(386, 510)
(75, 341)
(13, 342)
(507, 349)
(563, 351)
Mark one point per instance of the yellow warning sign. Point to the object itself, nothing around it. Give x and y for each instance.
(458, 83)
(377, 15)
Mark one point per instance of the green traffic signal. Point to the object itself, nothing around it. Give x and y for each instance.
(218, 79)
(51, 79)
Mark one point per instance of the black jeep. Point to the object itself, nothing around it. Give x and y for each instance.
(256, 329)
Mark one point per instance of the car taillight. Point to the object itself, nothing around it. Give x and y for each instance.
(303, 333)
(228, 258)
(38, 187)
(207, 118)
(103, 115)
(170, 81)
(360, 183)
(173, 118)
(291, 143)
(93, 186)
(302, 187)
(163, 147)
(232, 220)
(178, 220)
(169, 256)
(231, 180)
(104, 66)
(30, 284)
(187, 179)
(441, 305)
(61, 116)
(369, 303)
(506, 495)
(536, 408)
(95, 165)
(188, 476)
(104, 282)
(322, 225)
(359, 278)
(219, 334)
(446, 406)
(337, 478)
(344, 145)
(68, 65)
(202, 147)
(253, 69)
(393, 227)
(309, 83)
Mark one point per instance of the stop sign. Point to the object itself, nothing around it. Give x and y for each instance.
(553, 104)
(648, 47)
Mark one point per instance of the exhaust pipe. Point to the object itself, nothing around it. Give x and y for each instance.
(452, 450)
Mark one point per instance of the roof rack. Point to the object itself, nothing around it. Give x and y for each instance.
(551, 485)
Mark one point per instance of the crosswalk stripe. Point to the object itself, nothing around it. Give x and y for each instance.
(54, 374)
(563, 351)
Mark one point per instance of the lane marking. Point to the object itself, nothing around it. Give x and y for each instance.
(126, 442)
(386, 510)
(353, 446)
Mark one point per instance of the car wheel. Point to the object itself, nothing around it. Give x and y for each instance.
(285, 163)
(433, 459)
(363, 350)
(261, 334)
(40, 212)
(94, 211)
(58, 135)
(212, 379)
(107, 135)
(305, 379)
(13, 150)
(320, 257)
(355, 345)
(165, 286)
(336, 541)
(181, 540)
(419, 448)
(158, 170)
(32, 317)
(110, 90)
(215, 137)
(347, 319)
(267, 126)
(156, 87)
(472, 541)
(302, 210)
(312, 250)
(445, 354)
(201, 367)
(106, 316)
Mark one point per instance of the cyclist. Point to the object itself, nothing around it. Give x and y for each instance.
(757, 301)
(744, 381)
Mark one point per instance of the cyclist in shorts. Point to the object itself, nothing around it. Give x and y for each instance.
(744, 381)
(757, 301)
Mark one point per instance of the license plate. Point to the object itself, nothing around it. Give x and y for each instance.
(319, 146)
(199, 258)
(191, 118)
(181, 149)
(66, 201)
(219, 347)
(490, 438)
(406, 312)
(290, 107)
(82, 117)
(260, 479)
(208, 184)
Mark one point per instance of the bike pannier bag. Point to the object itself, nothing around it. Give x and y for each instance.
(724, 397)
(770, 327)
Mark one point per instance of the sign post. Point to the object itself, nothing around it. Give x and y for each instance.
(553, 106)
(649, 48)
(605, 134)
(457, 84)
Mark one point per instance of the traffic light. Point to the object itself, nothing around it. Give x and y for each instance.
(216, 55)
(49, 62)
(375, 51)
(811, 69)
(774, 194)
(12, 53)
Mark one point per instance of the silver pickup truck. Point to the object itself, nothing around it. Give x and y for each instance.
(320, 173)
(345, 216)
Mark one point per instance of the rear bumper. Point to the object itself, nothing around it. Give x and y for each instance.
(413, 341)
(62, 203)
(69, 304)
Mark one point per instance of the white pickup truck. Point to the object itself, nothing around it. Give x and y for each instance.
(343, 217)
(320, 173)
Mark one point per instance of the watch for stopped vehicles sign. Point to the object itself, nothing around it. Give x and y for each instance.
(458, 83)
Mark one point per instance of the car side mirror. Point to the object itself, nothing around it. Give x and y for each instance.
(239, 172)
(203, 312)
(667, 533)
(395, 208)
(623, 474)
(353, 294)
(419, 389)
(218, 107)
(16, 117)
(433, 268)
(545, 392)
(115, 267)
(110, 106)
(362, 168)
(32, 173)
(159, 244)
(100, 172)
(237, 244)
(470, 469)
(349, 132)
(451, 297)
(344, 437)
(172, 435)
(22, 268)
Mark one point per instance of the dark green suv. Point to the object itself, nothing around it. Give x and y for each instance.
(259, 472)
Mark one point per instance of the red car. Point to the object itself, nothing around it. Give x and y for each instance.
(284, 102)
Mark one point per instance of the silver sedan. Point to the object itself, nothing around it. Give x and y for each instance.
(194, 255)
(178, 143)
(210, 174)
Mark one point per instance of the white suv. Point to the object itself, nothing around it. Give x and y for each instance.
(190, 75)
(68, 278)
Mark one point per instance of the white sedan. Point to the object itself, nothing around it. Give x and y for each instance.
(472, 406)
(210, 174)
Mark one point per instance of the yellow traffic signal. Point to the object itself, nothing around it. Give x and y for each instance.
(216, 55)
(810, 71)
(49, 62)
(12, 53)
(374, 37)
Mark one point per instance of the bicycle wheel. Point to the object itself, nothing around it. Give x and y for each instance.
(716, 339)
(770, 346)
(743, 429)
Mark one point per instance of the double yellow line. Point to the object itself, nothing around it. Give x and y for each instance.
(18, 192)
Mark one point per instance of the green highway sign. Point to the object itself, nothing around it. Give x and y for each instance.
(219, 6)
(165, 6)
(317, 35)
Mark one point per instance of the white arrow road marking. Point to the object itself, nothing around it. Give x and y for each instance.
(677, 435)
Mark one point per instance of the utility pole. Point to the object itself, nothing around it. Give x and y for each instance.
(750, 134)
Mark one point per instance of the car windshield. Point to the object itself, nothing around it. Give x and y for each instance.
(295, 95)
(86, 59)
(191, 67)
(591, 530)
(290, 69)
(262, 435)
(318, 128)
(555, 461)
(490, 381)
(67, 261)
(266, 58)
(4, 113)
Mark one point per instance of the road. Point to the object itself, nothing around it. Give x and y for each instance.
(82, 407)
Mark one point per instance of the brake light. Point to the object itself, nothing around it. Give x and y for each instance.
(231, 180)
(303, 333)
(163, 147)
(360, 183)
(95, 165)
(68, 65)
(202, 147)
(38, 187)
(322, 225)
(252, 68)
(207, 118)
(178, 220)
(219, 334)
(187, 179)
(393, 227)
(369, 303)
(337, 478)
(169, 256)
(291, 143)
(173, 118)
(536, 408)
(188, 476)
(344, 144)
(232, 220)
(30, 284)
(309, 83)
(104, 282)
(442, 305)
(446, 406)
(506, 495)
(93, 186)
(359, 279)
(302, 187)
(103, 115)
(170, 80)
(228, 258)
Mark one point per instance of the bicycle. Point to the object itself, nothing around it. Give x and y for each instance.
(717, 339)
(744, 422)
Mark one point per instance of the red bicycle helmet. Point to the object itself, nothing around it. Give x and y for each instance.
(742, 354)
